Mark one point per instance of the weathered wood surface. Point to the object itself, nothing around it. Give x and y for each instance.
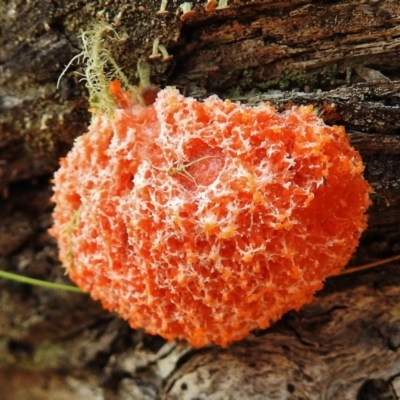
(342, 56)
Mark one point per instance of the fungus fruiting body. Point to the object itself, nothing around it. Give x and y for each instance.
(187, 11)
(157, 48)
(163, 7)
(216, 4)
(204, 220)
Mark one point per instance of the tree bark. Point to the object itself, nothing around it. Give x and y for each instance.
(341, 56)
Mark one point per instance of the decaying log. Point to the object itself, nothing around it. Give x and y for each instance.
(341, 56)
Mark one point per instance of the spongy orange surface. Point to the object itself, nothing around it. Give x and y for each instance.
(205, 220)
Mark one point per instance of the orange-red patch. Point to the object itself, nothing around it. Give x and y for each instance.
(205, 220)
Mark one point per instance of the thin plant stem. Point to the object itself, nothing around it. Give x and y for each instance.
(370, 265)
(37, 282)
(68, 288)
(181, 169)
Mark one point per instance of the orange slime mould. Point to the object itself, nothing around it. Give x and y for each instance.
(205, 220)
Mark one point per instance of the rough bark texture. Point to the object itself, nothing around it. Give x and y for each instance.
(342, 56)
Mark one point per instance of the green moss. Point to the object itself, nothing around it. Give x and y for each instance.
(68, 233)
(234, 92)
(48, 355)
(100, 66)
(329, 74)
(288, 79)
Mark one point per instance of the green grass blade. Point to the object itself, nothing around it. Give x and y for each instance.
(37, 282)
